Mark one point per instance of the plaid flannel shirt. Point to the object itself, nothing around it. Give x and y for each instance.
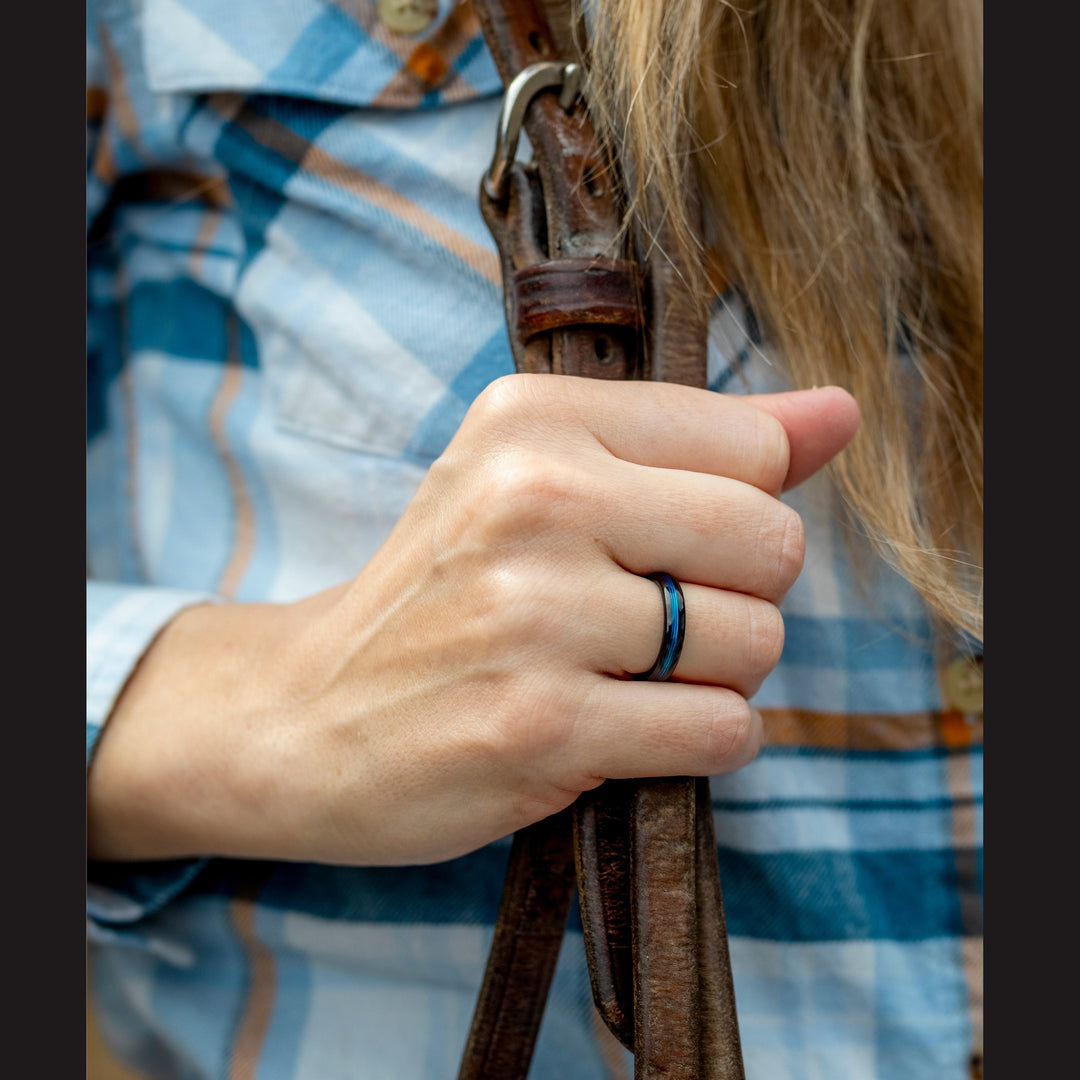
(292, 300)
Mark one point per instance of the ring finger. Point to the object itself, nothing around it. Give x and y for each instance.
(732, 639)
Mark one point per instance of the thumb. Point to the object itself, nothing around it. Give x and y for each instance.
(819, 424)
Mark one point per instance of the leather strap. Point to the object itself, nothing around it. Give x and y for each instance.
(530, 926)
(642, 851)
(576, 292)
(563, 207)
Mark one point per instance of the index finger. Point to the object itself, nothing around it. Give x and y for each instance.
(668, 426)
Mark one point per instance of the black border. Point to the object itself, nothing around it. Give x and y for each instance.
(1031, 421)
(45, 497)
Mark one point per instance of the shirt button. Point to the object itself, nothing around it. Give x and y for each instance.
(407, 17)
(964, 684)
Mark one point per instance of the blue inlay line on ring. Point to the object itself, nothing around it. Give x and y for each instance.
(675, 614)
(674, 628)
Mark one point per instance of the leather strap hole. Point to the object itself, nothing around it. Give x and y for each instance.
(537, 43)
(602, 348)
(594, 181)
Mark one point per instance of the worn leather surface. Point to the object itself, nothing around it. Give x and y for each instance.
(576, 292)
(581, 213)
(528, 932)
(642, 851)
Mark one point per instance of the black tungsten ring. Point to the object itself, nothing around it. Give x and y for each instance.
(674, 629)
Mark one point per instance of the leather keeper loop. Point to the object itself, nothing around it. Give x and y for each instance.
(576, 292)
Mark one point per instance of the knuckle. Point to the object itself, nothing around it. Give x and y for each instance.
(765, 638)
(784, 543)
(773, 451)
(511, 404)
(792, 546)
(732, 739)
(494, 425)
(501, 399)
(504, 506)
(526, 491)
(498, 600)
(540, 723)
(537, 803)
(512, 623)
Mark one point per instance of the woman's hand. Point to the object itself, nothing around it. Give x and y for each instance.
(472, 678)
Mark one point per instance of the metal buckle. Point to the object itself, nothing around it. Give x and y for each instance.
(519, 94)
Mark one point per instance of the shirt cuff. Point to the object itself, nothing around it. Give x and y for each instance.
(121, 623)
(119, 894)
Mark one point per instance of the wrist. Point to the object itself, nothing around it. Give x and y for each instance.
(172, 772)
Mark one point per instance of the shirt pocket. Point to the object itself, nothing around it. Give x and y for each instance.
(354, 155)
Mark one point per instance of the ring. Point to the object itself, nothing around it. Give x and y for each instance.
(674, 628)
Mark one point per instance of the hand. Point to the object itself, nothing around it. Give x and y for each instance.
(472, 678)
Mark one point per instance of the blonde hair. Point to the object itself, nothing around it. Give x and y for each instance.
(837, 149)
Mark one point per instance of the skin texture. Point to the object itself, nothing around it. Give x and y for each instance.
(472, 678)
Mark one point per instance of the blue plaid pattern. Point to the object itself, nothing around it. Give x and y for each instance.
(292, 301)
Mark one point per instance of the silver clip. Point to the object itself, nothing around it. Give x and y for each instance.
(522, 89)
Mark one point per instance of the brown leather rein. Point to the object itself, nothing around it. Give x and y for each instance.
(641, 853)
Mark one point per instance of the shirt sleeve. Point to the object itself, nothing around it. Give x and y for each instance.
(122, 620)
(121, 623)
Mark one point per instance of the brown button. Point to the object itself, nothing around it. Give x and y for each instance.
(964, 684)
(407, 17)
